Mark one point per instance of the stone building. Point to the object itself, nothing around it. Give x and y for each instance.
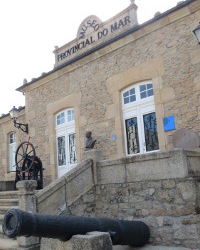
(136, 87)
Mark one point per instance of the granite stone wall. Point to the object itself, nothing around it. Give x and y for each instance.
(169, 205)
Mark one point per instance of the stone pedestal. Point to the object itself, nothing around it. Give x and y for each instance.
(90, 241)
(94, 154)
(27, 202)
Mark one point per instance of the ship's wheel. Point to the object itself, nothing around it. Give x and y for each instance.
(28, 165)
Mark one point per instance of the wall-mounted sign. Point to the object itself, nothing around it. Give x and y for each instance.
(114, 137)
(92, 32)
(169, 123)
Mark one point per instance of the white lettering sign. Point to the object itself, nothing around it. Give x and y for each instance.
(92, 32)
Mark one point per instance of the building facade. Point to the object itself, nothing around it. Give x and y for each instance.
(136, 87)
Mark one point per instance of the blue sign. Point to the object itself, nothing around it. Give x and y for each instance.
(114, 137)
(169, 123)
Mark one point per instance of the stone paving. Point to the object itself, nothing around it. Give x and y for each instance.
(10, 244)
(151, 248)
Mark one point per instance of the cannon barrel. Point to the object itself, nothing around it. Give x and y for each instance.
(19, 223)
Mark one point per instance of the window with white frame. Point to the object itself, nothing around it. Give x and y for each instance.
(140, 124)
(12, 150)
(66, 141)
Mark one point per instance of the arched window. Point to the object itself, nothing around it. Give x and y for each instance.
(139, 116)
(12, 149)
(66, 141)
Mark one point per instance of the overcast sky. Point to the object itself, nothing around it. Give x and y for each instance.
(31, 28)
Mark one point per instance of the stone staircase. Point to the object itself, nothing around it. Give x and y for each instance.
(8, 200)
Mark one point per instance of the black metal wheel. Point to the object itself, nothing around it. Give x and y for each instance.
(24, 158)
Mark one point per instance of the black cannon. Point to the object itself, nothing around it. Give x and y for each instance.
(19, 223)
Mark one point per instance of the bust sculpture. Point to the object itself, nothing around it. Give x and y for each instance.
(90, 142)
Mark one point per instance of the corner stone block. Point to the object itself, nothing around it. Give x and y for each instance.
(27, 202)
(26, 194)
(92, 241)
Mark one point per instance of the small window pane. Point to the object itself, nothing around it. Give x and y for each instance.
(129, 96)
(146, 90)
(125, 94)
(151, 133)
(142, 88)
(132, 135)
(12, 138)
(143, 95)
(70, 115)
(149, 86)
(150, 92)
(61, 151)
(12, 150)
(126, 100)
(132, 91)
(61, 118)
(72, 149)
(132, 98)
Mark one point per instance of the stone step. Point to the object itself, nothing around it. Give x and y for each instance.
(6, 185)
(9, 202)
(2, 235)
(8, 244)
(1, 219)
(4, 209)
(9, 195)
